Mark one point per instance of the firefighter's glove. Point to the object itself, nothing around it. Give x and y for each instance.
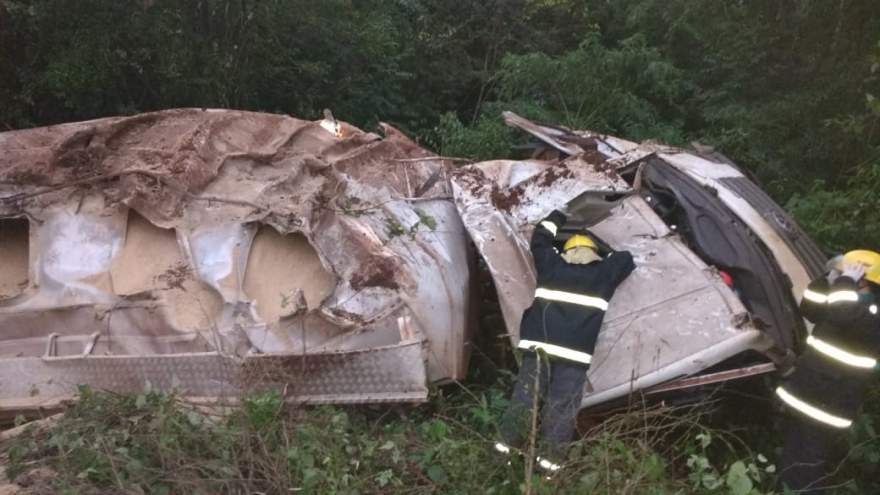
(854, 271)
(557, 217)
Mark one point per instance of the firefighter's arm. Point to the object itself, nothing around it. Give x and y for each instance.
(845, 306)
(543, 252)
(814, 301)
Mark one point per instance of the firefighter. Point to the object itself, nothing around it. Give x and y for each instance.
(558, 333)
(827, 387)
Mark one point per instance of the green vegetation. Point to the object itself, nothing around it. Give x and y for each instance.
(788, 89)
(156, 443)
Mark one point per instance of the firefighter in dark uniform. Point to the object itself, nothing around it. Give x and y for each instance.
(828, 385)
(558, 334)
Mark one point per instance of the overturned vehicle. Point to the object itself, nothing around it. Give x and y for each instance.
(720, 267)
(214, 252)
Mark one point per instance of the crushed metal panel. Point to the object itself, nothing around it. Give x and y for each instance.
(721, 239)
(673, 316)
(499, 203)
(207, 196)
(809, 254)
(620, 152)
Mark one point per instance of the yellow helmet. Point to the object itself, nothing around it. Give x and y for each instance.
(870, 260)
(579, 240)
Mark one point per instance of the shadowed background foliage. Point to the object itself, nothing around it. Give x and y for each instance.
(785, 88)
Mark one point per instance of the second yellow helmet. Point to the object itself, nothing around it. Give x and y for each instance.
(870, 260)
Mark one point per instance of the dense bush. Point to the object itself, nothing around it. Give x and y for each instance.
(156, 443)
(780, 87)
(843, 217)
(787, 88)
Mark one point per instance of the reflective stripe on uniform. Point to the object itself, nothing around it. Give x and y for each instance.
(843, 295)
(556, 350)
(812, 411)
(816, 297)
(834, 297)
(873, 309)
(841, 355)
(550, 226)
(500, 447)
(572, 297)
(546, 464)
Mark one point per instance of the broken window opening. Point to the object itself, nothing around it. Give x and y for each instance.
(15, 256)
(148, 253)
(151, 261)
(279, 267)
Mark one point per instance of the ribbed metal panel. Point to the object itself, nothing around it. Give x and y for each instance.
(393, 373)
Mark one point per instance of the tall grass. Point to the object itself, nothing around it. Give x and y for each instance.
(156, 443)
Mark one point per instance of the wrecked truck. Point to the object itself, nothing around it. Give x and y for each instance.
(690, 218)
(215, 252)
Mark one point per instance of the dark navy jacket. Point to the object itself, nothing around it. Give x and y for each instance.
(571, 299)
(833, 373)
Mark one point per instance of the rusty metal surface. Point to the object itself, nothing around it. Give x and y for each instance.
(672, 317)
(708, 379)
(499, 203)
(181, 232)
(216, 251)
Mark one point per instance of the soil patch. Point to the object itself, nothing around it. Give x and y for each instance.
(377, 271)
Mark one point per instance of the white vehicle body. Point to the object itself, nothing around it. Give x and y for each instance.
(214, 252)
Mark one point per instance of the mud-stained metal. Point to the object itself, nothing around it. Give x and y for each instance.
(216, 252)
(194, 249)
(674, 316)
(713, 378)
(501, 201)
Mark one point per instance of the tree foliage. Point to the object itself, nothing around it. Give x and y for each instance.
(787, 89)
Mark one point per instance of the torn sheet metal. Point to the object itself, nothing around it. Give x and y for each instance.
(499, 203)
(713, 175)
(225, 237)
(673, 317)
(794, 251)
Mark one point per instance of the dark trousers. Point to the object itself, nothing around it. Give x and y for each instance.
(810, 454)
(560, 387)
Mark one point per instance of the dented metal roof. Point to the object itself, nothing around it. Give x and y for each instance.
(672, 317)
(212, 251)
(215, 251)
